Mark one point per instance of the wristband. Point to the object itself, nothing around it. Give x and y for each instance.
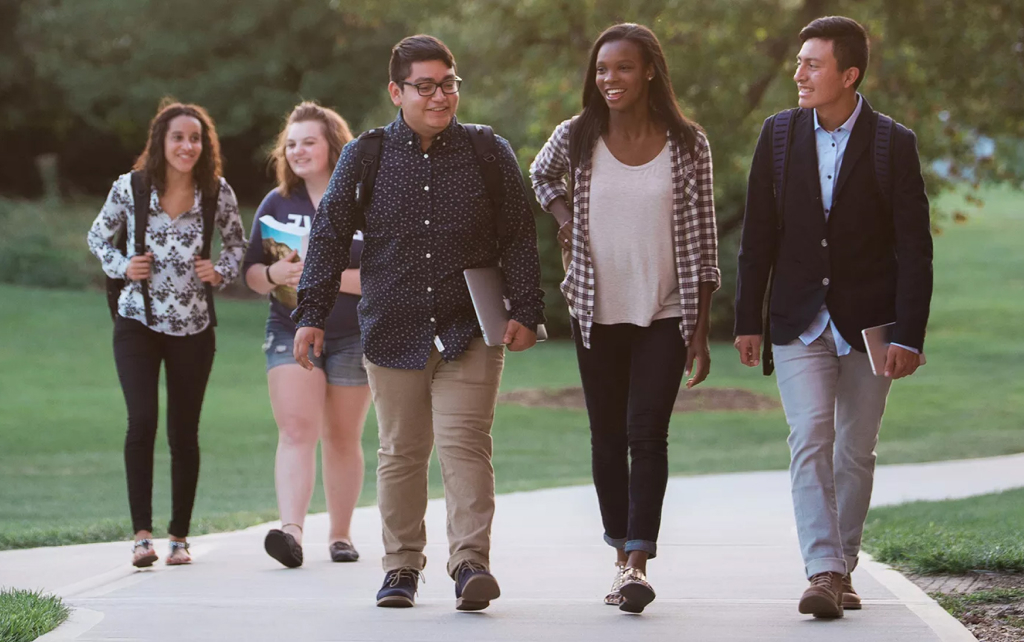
(269, 280)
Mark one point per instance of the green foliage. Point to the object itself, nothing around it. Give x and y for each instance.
(26, 615)
(42, 244)
(977, 534)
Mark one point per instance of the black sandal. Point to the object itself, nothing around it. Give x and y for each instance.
(342, 551)
(283, 547)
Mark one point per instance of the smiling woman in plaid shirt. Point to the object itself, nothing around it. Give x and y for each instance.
(641, 232)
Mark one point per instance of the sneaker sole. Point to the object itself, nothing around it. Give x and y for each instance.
(478, 593)
(635, 597)
(395, 602)
(820, 606)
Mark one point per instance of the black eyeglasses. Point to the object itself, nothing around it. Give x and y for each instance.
(450, 86)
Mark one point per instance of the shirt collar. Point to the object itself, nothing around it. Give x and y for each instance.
(404, 134)
(850, 122)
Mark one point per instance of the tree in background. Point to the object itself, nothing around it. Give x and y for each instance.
(93, 72)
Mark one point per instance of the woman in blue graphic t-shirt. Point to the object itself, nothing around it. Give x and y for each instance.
(330, 402)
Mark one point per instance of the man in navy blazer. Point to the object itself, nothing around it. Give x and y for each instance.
(842, 256)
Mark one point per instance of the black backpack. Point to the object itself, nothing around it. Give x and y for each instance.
(485, 148)
(781, 136)
(140, 196)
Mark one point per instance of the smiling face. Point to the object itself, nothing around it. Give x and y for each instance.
(622, 77)
(818, 79)
(426, 115)
(183, 143)
(306, 149)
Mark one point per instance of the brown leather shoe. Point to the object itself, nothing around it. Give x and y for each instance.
(824, 597)
(850, 598)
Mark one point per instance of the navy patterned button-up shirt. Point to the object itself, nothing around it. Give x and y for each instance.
(430, 218)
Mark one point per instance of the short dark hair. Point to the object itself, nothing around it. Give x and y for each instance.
(419, 48)
(849, 42)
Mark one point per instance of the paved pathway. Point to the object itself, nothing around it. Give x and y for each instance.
(728, 569)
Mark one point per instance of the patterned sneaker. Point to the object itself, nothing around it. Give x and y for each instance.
(475, 587)
(614, 598)
(635, 591)
(399, 589)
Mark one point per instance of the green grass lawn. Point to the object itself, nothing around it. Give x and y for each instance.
(26, 615)
(953, 537)
(62, 415)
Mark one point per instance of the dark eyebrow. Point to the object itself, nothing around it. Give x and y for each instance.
(799, 59)
(429, 79)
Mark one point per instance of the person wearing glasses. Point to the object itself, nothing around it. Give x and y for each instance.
(432, 378)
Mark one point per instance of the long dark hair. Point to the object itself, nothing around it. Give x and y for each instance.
(662, 103)
(207, 170)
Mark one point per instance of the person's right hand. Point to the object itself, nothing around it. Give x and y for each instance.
(305, 337)
(749, 347)
(140, 267)
(565, 235)
(287, 271)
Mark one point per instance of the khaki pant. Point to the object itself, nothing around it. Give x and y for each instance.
(452, 405)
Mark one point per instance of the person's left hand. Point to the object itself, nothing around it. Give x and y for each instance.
(900, 362)
(518, 337)
(206, 273)
(698, 351)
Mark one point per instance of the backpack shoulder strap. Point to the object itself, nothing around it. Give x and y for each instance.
(782, 129)
(141, 195)
(485, 147)
(368, 152)
(209, 211)
(883, 157)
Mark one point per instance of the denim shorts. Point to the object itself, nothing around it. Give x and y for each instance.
(341, 359)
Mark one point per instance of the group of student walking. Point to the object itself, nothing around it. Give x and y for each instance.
(383, 310)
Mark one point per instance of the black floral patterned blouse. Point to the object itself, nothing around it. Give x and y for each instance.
(178, 297)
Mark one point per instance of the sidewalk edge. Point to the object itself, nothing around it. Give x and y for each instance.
(947, 627)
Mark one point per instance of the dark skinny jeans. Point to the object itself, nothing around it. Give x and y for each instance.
(138, 352)
(631, 376)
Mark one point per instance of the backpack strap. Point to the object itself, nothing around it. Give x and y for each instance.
(782, 134)
(368, 152)
(883, 157)
(485, 146)
(141, 194)
(209, 212)
(782, 131)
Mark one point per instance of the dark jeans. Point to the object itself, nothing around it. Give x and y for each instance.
(187, 360)
(631, 376)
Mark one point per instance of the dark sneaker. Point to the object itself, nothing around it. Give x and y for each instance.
(475, 587)
(635, 591)
(824, 597)
(399, 589)
(851, 600)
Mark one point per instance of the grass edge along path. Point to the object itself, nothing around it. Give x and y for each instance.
(26, 615)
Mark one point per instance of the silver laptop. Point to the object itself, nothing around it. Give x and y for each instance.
(876, 341)
(487, 289)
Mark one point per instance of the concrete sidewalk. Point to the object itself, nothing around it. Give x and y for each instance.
(728, 569)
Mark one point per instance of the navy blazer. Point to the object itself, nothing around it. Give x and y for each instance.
(869, 265)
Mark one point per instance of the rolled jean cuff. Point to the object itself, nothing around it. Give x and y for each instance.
(651, 548)
(618, 543)
(851, 562)
(825, 565)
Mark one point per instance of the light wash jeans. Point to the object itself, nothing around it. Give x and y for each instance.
(834, 407)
